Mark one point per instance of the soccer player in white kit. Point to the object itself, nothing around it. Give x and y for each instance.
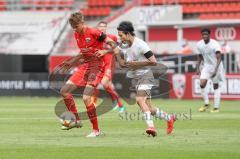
(212, 68)
(137, 56)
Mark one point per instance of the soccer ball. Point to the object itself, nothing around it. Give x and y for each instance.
(66, 123)
(67, 118)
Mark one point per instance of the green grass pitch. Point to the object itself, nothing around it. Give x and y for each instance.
(29, 129)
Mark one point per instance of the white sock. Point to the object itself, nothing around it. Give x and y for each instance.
(205, 95)
(217, 96)
(148, 118)
(162, 115)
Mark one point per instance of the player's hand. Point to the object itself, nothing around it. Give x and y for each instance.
(100, 53)
(123, 64)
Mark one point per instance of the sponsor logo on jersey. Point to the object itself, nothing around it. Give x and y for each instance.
(88, 40)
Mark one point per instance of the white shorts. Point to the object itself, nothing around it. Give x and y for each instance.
(145, 83)
(207, 72)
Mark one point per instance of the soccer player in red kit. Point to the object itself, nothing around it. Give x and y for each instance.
(89, 74)
(108, 69)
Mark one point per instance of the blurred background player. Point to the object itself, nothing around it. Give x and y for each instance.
(87, 75)
(138, 56)
(109, 67)
(186, 49)
(212, 69)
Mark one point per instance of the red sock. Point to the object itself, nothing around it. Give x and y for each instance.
(70, 104)
(119, 103)
(91, 110)
(114, 95)
(110, 90)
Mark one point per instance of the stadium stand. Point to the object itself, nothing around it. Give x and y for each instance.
(101, 8)
(36, 5)
(204, 9)
(106, 3)
(96, 12)
(3, 5)
(192, 9)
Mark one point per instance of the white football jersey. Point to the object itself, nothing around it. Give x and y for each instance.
(208, 51)
(136, 53)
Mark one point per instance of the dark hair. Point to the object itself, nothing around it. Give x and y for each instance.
(126, 27)
(206, 30)
(103, 22)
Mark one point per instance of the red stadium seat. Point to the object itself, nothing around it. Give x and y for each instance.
(49, 4)
(96, 12)
(119, 3)
(65, 4)
(26, 2)
(145, 2)
(38, 4)
(220, 16)
(111, 3)
(3, 5)
(105, 3)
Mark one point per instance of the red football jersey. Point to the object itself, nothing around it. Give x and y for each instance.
(113, 37)
(109, 56)
(109, 60)
(88, 43)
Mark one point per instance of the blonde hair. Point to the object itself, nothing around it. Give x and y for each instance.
(76, 18)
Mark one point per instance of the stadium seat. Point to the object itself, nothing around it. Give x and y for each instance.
(105, 3)
(219, 16)
(96, 12)
(47, 4)
(3, 5)
(26, 2)
(65, 4)
(207, 9)
(120, 2)
(50, 3)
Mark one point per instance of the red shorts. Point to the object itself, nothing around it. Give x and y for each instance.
(88, 74)
(109, 65)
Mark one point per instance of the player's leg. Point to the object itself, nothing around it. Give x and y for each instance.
(141, 98)
(68, 98)
(109, 87)
(95, 96)
(91, 109)
(205, 75)
(217, 81)
(217, 96)
(170, 119)
(70, 103)
(158, 112)
(76, 80)
(109, 67)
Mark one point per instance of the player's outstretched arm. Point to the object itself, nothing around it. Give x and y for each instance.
(74, 61)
